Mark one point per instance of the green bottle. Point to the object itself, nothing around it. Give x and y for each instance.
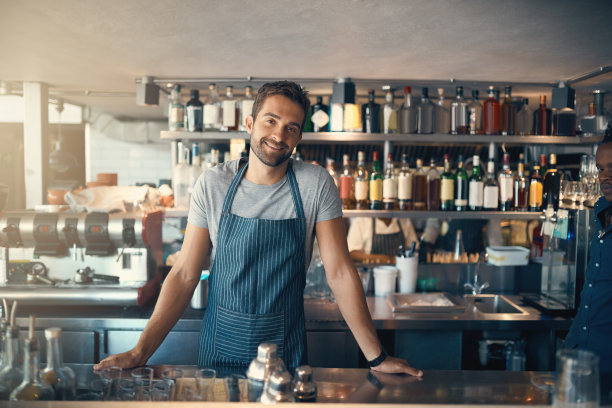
(376, 184)
(461, 187)
(447, 186)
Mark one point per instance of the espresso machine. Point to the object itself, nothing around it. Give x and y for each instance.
(70, 258)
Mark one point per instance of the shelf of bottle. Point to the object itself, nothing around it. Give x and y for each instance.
(397, 138)
(466, 215)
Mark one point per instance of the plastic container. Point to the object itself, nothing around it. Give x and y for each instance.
(384, 280)
(407, 273)
(508, 256)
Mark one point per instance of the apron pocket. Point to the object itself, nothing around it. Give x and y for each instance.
(239, 334)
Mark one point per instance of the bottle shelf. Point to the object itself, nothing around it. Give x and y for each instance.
(398, 139)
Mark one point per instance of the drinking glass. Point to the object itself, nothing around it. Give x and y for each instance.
(172, 374)
(205, 383)
(97, 390)
(577, 382)
(113, 375)
(567, 193)
(143, 379)
(161, 390)
(127, 389)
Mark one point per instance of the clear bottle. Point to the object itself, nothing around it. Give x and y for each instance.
(491, 114)
(371, 114)
(433, 187)
(460, 115)
(260, 369)
(508, 114)
(475, 110)
(404, 185)
(331, 169)
(551, 185)
(181, 178)
(442, 115)
(476, 186)
(506, 185)
(212, 109)
(521, 189)
(419, 187)
(12, 373)
(346, 184)
(361, 183)
(176, 110)
(56, 374)
(195, 169)
(524, 119)
(389, 185)
(447, 186)
(461, 187)
(535, 189)
(376, 184)
(229, 108)
(390, 112)
(320, 116)
(278, 388)
(408, 113)
(304, 389)
(542, 118)
(426, 113)
(491, 189)
(194, 112)
(246, 107)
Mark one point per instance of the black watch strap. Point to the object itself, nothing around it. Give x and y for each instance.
(378, 360)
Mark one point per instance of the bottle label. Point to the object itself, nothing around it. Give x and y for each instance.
(476, 196)
(346, 187)
(389, 190)
(491, 197)
(336, 121)
(376, 187)
(246, 107)
(404, 187)
(361, 190)
(390, 120)
(229, 113)
(352, 117)
(447, 189)
(535, 194)
(505, 188)
(320, 118)
(211, 115)
(177, 115)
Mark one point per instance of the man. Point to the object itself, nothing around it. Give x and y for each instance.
(376, 240)
(258, 220)
(592, 326)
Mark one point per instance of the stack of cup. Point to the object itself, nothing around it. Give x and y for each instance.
(407, 277)
(384, 280)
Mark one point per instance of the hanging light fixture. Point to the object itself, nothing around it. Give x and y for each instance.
(60, 160)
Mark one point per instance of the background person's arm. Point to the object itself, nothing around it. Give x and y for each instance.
(348, 290)
(174, 297)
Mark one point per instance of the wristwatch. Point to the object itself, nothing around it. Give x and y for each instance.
(378, 360)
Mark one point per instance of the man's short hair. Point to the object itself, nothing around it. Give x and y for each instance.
(288, 89)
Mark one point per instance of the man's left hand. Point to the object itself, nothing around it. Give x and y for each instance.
(393, 365)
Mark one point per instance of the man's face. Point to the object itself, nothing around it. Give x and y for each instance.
(276, 130)
(603, 158)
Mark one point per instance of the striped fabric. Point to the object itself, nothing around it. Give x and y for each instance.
(256, 286)
(387, 244)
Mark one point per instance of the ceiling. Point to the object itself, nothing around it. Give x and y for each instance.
(103, 46)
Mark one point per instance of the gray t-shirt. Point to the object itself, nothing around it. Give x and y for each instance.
(320, 199)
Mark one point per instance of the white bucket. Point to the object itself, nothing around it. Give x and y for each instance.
(384, 280)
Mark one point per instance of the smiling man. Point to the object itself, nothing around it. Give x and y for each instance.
(257, 219)
(592, 327)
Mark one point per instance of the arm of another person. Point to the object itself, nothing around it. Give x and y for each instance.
(174, 297)
(359, 239)
(346, 285)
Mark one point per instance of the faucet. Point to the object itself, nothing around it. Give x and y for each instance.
(476, 287)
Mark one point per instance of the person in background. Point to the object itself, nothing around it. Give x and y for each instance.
(592, 327)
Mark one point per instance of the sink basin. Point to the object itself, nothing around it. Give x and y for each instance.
(495, 304)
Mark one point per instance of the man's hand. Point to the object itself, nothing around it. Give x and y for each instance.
(129, 359)
(393, 365)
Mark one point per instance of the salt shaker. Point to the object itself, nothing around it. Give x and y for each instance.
(261, 367)
(278, 388)
(304, 389)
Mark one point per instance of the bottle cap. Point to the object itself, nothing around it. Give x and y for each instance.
(475, 93)
(543, 100)
(195, 93)
(506, 159)
(407, 89)
(374, 156)
(459, 91)
(425, 93)
(303, 373)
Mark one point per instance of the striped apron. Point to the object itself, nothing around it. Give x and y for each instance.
(387, 244)
(256, 286)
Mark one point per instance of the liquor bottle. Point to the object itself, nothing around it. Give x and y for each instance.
(419, 187)
(461, 187)
(442, 115)
(320, 116)
(347, 184)
(331, 169)
(543, 167)
(176, 110)
(426, 113)
(551, 184)
(229, 108)
(433, 187)
(376, 184)
(475, 109)
(246, 107)
(447, 186)
(32, 388)
(181, 177)
(508, 114)
(542, 118)
(564, 122)
(520, 190)
(12, 374)
(361, 183)
(408, 114)
(476, 186)
(196, 169)
(56, 374)
(535, 189)
(491, 113)
(389, 193)
(491, 189)
(390, 112)
(371, 114)
(460, 116)
(524, 121)
(506, 185)
(212, 109)
(194, 112)
(404, 185)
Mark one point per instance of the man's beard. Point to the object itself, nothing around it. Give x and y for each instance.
(269, 159)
